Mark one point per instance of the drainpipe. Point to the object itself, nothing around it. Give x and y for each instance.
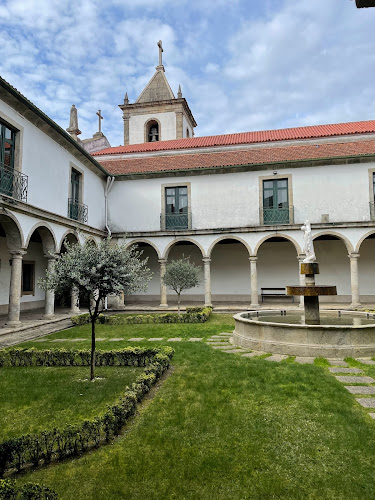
(110, 181)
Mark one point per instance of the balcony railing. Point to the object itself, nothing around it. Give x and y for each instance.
(272, 216)
(175, 222)
(77, 211)
(13, 183)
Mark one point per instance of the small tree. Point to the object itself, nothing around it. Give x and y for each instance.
(181, 275)
(96, 272)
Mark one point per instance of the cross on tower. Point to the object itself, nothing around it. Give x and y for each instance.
(160, 53)
(99, 113)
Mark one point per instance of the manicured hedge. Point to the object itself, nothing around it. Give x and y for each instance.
(192, 315)
(129, 356)
(59, 443)
(9, 490)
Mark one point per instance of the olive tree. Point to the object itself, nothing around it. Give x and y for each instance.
(181, 275)
(96, 272)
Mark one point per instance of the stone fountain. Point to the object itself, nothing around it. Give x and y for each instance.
(310, 291)
(338, 333)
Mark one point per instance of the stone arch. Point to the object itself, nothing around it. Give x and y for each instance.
(13, 231)
(339, 236)
(278, 235)
(147, 242)
(228, 237)
(147, 125)
(70, 236)
(91, 241)
(364, 237)
(48, 238)
(181, 240)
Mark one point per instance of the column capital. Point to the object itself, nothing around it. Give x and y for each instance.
(301, 257)
(353, 255)
(17, 254)
(51, 256)
(253, 258)
(162, 261)
(206, 260)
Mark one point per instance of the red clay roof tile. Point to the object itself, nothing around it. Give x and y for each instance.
(240, 157)
(310, 132)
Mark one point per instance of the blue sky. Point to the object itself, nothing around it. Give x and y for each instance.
(242, 64)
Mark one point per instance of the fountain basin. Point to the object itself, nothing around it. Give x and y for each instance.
(277, 333)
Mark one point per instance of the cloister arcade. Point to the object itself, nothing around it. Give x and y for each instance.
(235, 266)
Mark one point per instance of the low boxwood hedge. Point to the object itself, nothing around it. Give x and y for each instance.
(9, 490)
(192, 315)
(58, 443)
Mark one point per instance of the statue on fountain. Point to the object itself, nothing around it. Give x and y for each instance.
(308, 243)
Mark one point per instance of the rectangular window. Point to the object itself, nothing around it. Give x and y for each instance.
(176, 207)
(76, 210)
(28, 278)
(7, 144)
(275, 201)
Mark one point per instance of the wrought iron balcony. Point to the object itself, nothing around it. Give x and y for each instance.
(175, 222)
(272, 216)
(77, 211)
(13, 183)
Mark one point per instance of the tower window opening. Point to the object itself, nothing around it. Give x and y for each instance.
(187, 133)
(153, 131)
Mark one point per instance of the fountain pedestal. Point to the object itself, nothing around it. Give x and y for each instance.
(311, 292)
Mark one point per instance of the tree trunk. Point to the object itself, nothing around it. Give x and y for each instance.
(178, 304)
(92, 374)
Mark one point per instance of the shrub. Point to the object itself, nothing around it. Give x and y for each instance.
(31, 491)
(73, 440)
(192, 315)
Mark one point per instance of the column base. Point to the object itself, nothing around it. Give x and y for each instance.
(163, 306)
(13, 323)
(254, 306)
(355, 305)
(208, 305)
(75, 311)
(48, 316)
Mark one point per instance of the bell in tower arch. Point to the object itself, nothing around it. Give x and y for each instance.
(153, 134)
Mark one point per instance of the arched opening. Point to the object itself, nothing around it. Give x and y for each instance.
(187, 133)
(40, 244)
(334, 266)
(152, 131)
(187, 249)
(64, 299)
(366, 269)
(152, 295)
(230, 272)
(277, 267)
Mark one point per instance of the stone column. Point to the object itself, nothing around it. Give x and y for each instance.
(49, 312)
(179, 125)
(126, 119)
(302, 281)
(163, 287)
(254, 281)
(74, 308)
(354, 280)
(207, 281)
(15, 288)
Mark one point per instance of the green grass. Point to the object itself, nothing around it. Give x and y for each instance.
(36, 398)
(226, 427)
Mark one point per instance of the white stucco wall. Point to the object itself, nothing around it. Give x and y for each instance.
(231, 200)
(167, 126)
(48, 167)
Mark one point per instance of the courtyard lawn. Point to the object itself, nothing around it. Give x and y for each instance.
(221, 426)
(36, 398)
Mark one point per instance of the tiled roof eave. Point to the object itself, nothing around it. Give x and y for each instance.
(246, 166)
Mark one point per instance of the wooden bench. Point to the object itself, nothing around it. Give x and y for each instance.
(275, 292)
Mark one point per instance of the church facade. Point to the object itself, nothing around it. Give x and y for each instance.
(233, 204)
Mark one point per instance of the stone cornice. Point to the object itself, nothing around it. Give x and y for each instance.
(247, 229)
(147, 107)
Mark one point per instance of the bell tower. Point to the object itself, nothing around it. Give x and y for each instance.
(157, 115)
